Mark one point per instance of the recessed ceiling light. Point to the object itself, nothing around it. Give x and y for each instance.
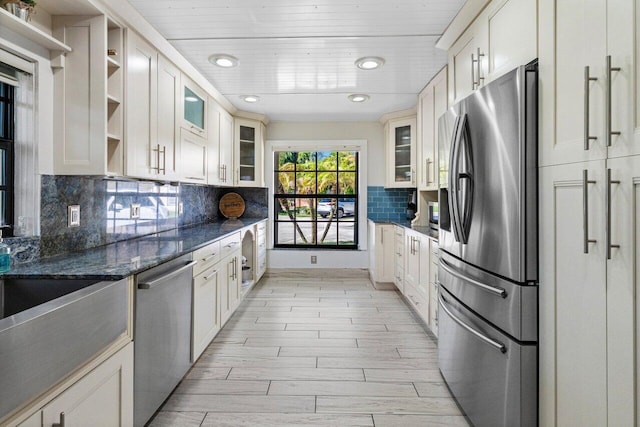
(369, 63)
(358, 97)
(250, 98)
(223, 60)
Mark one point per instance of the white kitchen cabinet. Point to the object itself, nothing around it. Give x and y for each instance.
(248, 153)
(579, 132)
(230, 283)
(103, 397)
(399, 257)
(401, 152)
(141, 131)
(87, 123)
(468, 61)
(502, 37)
(261, 249)
(573, 297)
(193, 157)
(432, 103)
(575, 123)
(220, 146)
(168, 133)
(206, 317)
(381, 252)
(433, 286)
(194, 107)
(412, 258)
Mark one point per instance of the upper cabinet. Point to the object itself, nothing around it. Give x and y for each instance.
(219, 146)
(248, 152)
(153, 92)
(143, 152)
(432, 103)
(502, 37)
(400, 136)
(88, 90)
(194, 107)
(590, 102)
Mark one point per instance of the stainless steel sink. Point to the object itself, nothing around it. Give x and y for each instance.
(18, 295)
(49, 328)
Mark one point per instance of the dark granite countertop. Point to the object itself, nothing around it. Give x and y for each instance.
(114, 261)
(422, 229)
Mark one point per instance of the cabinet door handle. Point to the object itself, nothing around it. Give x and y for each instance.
(382, 237)
(428, 171)
(478, 65)
(609, 244)
(608, 124)
(473, 75)
(213, 273)
(62, 421)
(157, 166)
(585, 209)
(587, 80)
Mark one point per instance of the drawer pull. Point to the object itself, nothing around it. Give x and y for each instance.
(209, 257)
(494, 290)
(213, 273)
(62, 421)
(498, 345)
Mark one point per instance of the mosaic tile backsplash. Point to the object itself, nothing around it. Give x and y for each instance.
(387, 204)
(105, 209)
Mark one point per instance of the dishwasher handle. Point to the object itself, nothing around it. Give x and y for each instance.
(150, 284)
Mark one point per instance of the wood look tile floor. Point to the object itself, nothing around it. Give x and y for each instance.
(308, 349)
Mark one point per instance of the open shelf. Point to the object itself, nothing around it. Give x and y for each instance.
(32, 33)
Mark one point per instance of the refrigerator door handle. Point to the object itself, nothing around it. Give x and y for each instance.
(496, 344)
(492, 289)
(464, 148)
(453, 181)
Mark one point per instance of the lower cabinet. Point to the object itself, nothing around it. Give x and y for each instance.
(399, 258)
(420, 281)
(230, 286)
(206, 313)
(381, 252)
(103, 397)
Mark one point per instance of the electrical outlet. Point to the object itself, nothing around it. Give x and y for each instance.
(314, 259)
(73, 216)
(134, 211)
(180, 208)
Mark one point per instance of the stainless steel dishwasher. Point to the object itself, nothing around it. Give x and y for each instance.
(162, 334)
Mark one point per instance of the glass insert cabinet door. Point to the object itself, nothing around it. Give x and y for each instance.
(247, 153)
(401, 157)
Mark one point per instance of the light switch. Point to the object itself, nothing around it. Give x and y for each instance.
(135, 211)
(73, 216)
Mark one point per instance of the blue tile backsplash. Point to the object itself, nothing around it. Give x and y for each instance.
(387, 204)
(105, 214)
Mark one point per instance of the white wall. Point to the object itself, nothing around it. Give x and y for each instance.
(369, 133)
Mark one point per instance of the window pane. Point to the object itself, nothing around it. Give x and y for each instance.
(327, 160)
(327, 232)
(285, 160)
(3, 167)
(347, 229)
(285, 183)
(286, 208)
(347, 160)
(3, 207)
(306, 161)
(306, 182)
(3, 122)
(327, 183)
(347, 183)
(285, 234)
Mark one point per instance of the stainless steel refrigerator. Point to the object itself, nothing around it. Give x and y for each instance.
(488, 272)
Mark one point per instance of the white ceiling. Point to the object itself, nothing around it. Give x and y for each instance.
(298, 55)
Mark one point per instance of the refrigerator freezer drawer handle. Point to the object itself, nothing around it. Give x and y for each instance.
(494, 290)
(150, 284)
(498, 345)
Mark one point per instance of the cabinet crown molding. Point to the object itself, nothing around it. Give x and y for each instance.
(461, 22)
(398, 115)
(253, 116)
